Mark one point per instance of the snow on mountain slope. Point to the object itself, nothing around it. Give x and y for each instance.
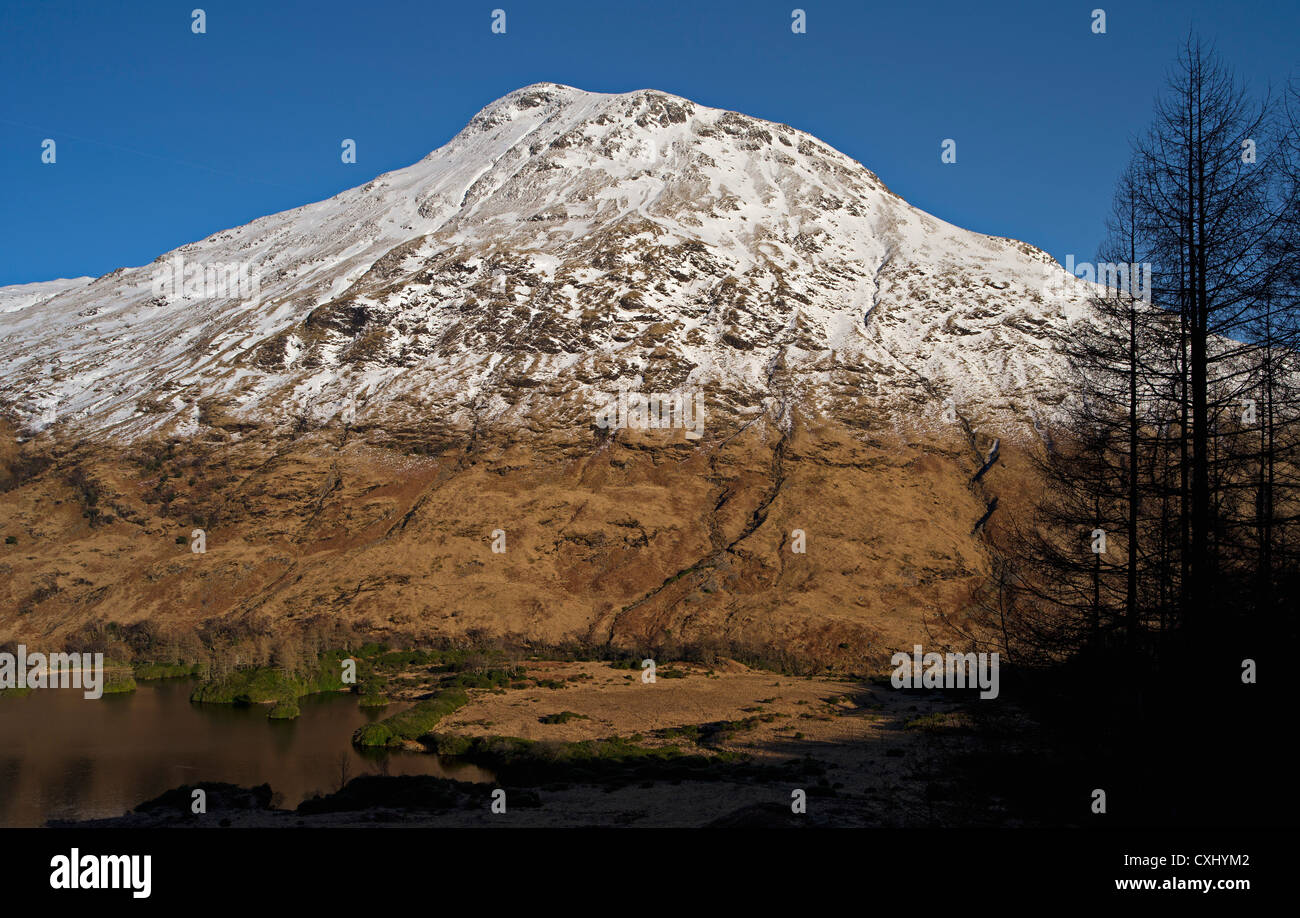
(20, 296)
(562, 245)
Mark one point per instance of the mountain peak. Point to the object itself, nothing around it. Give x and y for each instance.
(563, 245)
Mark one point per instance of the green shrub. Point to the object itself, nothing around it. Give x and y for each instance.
(284, 710)
(562, 718)
(118, 683)
(492, 678)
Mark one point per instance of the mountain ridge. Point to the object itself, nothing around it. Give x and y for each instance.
(643, 174)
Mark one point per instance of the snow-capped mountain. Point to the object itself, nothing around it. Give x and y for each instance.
(563, 245)
(395, 379)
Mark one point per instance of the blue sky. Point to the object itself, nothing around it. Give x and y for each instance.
(165, 136)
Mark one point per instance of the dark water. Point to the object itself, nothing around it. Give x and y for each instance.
(64, 757)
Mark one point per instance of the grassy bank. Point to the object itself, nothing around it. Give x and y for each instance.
(413, 723)
(284, 710)
(615, 759)
(118, 682)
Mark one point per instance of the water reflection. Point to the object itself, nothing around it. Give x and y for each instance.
(64, 757)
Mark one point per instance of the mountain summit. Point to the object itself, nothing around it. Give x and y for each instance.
(562, 245)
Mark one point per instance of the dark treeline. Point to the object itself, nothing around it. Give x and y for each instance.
(1173, 489)
(1164, 551)
(217, 647)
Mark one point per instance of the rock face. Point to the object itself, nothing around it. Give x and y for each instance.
(426, 360)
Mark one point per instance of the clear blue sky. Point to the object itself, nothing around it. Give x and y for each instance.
(165, 136)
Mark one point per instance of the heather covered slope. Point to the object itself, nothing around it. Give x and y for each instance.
(629, 542)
